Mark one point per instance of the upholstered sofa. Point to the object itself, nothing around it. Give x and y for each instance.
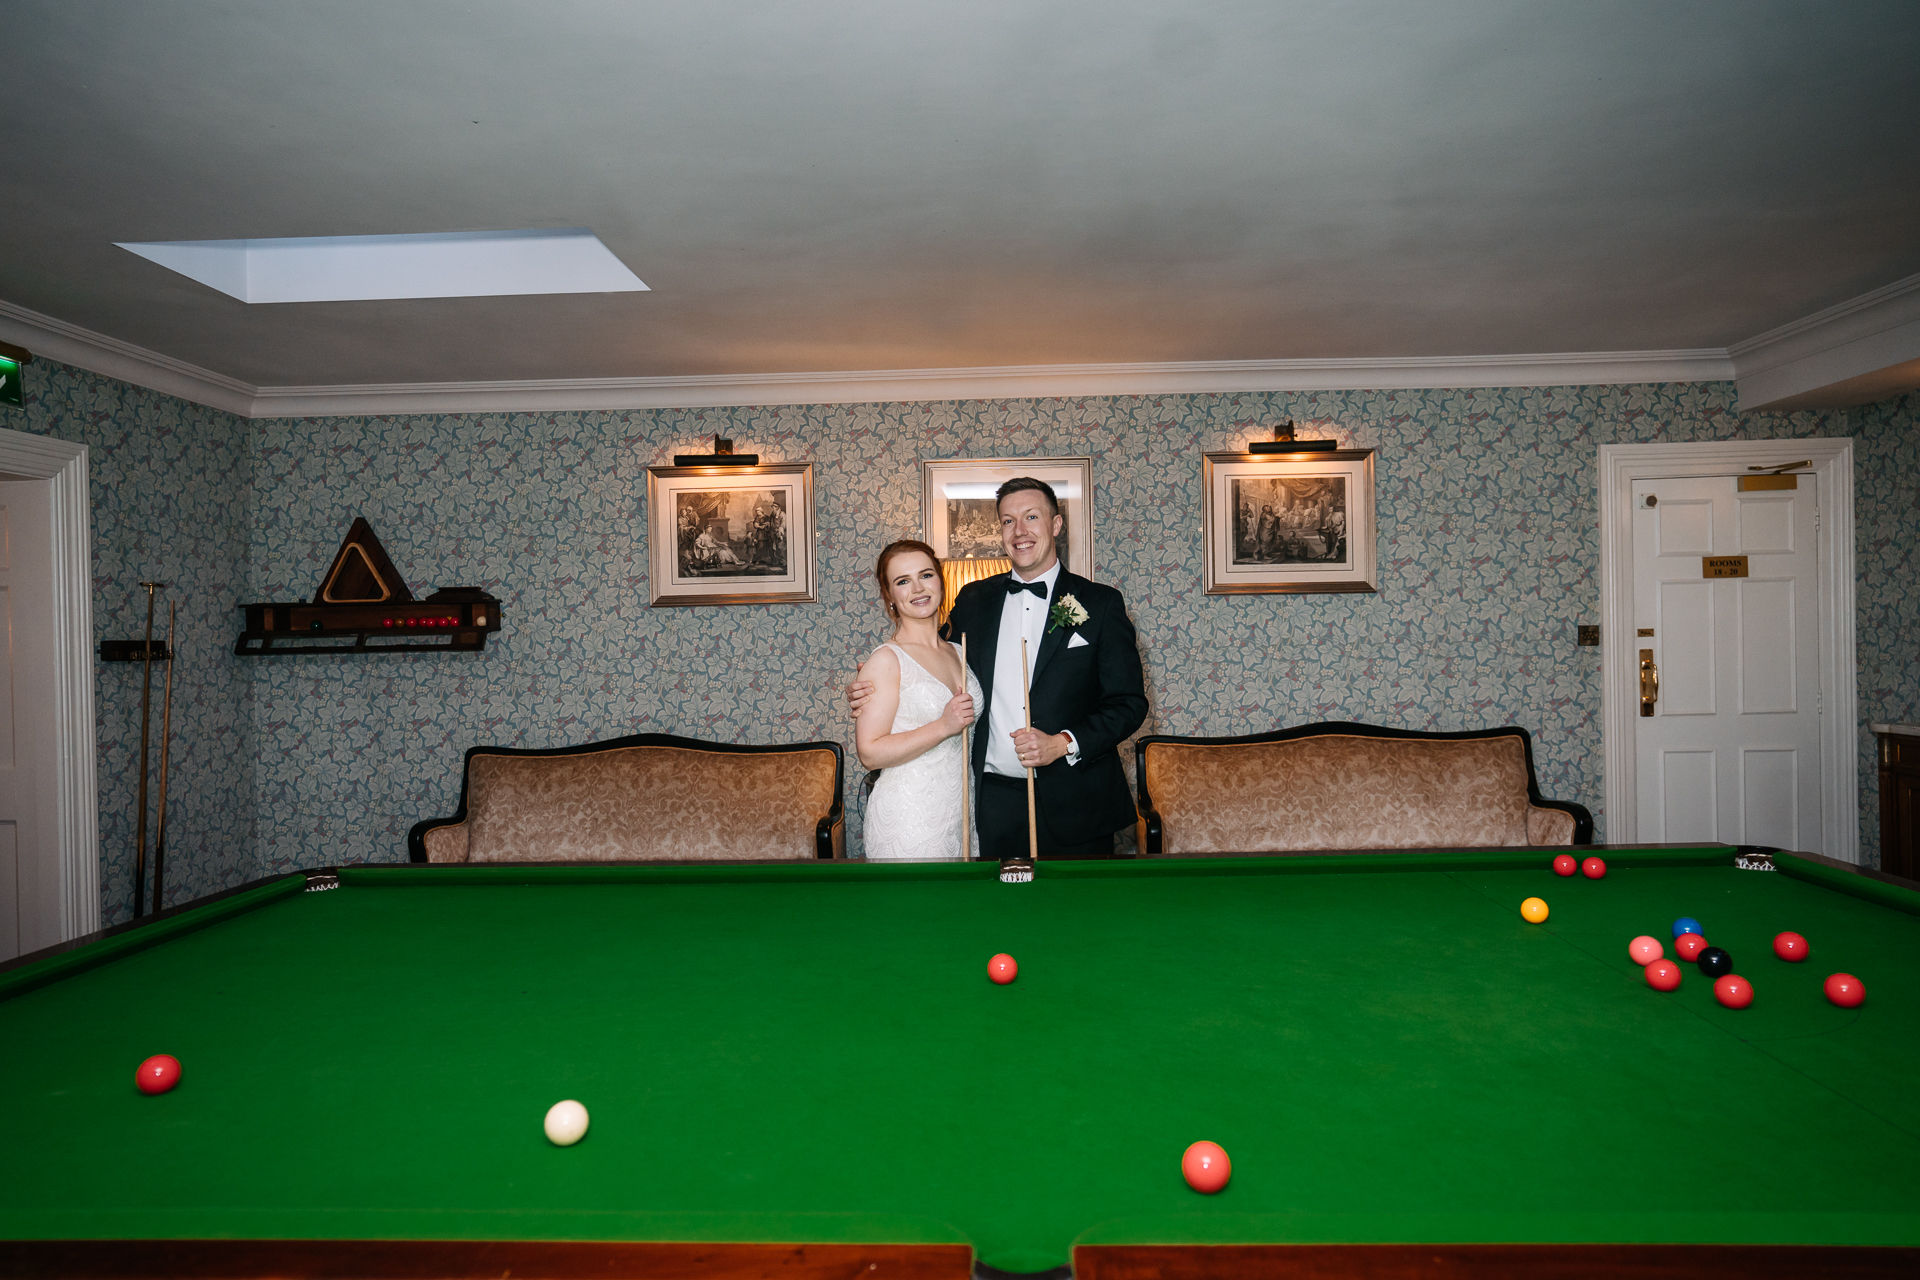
(1340, 785)
(650, 796)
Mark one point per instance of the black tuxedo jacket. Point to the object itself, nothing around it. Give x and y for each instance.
(1094, 691)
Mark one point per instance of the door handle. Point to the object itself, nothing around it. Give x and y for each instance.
(1649, 682)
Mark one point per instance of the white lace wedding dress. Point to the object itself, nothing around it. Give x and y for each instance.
(914, 811)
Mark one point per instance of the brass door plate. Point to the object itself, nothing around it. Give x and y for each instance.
(1723, 566)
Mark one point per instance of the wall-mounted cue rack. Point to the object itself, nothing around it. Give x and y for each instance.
(457, 625)
(363, 606)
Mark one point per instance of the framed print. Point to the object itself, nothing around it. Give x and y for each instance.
(1294, 523)
(730, 535)
(961, 519)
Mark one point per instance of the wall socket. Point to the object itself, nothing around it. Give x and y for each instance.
(1589, 636)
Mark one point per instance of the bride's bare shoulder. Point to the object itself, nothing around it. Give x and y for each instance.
(882, 663)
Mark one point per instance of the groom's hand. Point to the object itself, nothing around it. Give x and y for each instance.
(1037, 749)
(857, 695)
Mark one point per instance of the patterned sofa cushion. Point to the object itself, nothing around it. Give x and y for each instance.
(1345, 791)
(631, 803)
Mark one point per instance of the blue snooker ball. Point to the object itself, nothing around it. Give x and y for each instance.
(1687, 924)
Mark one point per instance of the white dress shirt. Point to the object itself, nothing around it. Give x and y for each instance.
(1025, 616)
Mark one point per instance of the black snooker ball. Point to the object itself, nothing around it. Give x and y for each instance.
(1715, 963)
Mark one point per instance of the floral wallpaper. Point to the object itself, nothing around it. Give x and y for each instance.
(1887, 570)
(1488, 549)
(171, 484)
(1488, 552)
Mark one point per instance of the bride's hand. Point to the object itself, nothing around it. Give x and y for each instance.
(958, 715)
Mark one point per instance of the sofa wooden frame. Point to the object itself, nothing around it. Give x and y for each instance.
(823, 833)
(1150, 817)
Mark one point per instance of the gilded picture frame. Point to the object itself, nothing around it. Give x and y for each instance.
(1288, 523)
(730, 535)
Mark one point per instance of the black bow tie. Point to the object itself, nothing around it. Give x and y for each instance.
(1015, 587)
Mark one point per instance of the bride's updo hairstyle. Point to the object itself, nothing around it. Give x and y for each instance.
(901, 547)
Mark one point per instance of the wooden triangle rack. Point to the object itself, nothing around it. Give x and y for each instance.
(361, 572)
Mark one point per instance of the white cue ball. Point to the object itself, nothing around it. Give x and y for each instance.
(566, 1123)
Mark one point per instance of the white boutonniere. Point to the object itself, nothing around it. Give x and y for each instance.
(1066, 612)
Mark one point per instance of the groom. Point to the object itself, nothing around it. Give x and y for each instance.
(1087, 690)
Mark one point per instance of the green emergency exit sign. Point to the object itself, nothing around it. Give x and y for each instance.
(12, 360)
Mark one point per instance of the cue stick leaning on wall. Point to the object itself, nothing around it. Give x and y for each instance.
(166, 736)
(966, 766)
(140, 811)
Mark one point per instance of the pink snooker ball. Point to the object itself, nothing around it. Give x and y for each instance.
(1645, 950)
(1733, 991)
(1206, 1167)
(1565, 865)
(1003, 969)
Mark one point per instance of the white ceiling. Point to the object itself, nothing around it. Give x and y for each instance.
(871, 186)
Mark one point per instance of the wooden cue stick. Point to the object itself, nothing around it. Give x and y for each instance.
(140, 805)
(966, 767)
(1026, 701)
(166, 724)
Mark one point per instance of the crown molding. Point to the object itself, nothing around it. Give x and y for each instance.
(1793, 365)
(71, 344)
(1013, 382)
(95, 352)
(1843, 355)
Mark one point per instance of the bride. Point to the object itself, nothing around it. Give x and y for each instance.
(911, 729)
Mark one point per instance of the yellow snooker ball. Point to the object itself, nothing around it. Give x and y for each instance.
(1533, 910)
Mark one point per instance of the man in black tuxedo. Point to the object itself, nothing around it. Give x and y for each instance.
(1087, 690)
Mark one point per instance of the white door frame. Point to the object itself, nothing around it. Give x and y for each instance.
(76, 782)
(1620, 466)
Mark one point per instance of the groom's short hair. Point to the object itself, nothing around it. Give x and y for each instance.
(1021, 484)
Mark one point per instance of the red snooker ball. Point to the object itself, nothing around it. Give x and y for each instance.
(1003, 969)
(1688, 946)
(1663, 975)
(158, 1074)
(1846, 990)
(1733, 991)
(1593, 868)
(1564, 865)
(1206, 1167)
(1790, 946)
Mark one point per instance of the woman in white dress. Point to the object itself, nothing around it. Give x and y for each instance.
(923, 697)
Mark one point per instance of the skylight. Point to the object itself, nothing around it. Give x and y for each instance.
(440, 264)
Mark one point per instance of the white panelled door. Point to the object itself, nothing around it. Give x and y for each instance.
(1731, 751)
(29, 854)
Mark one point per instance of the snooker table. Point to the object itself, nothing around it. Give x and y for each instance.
(803, 1070)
